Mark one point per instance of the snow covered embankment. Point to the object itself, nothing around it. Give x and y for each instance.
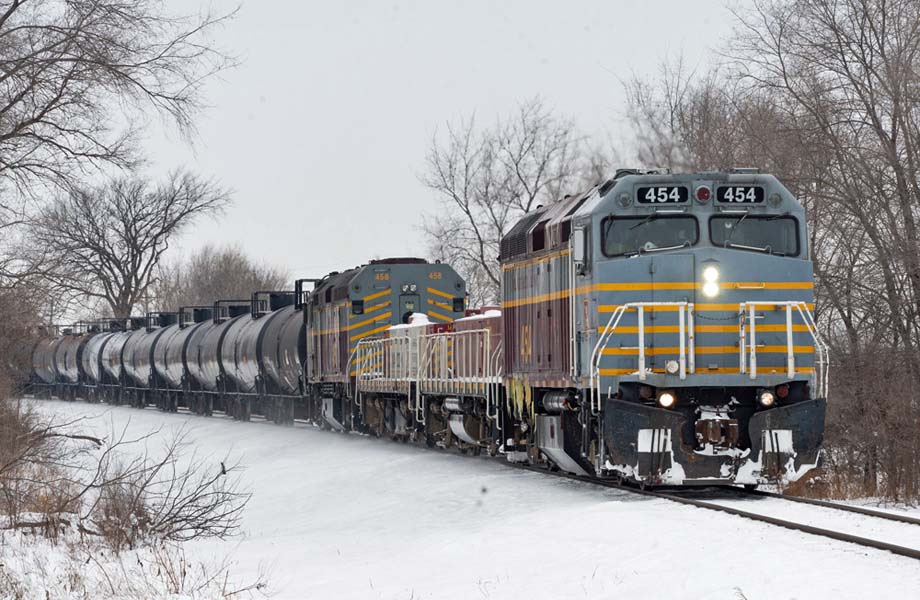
(342, 516)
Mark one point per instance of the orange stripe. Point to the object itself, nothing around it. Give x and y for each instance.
(441, 305)
(367, 333)
(431, 290)
(719, 370)
(705, 350)
(431, 313)
(377, 295)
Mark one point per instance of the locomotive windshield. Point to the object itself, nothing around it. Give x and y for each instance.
(774, 235)
(624, 236)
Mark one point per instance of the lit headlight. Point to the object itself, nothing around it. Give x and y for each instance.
(766, 399)
(711, 274)
(710, 289)
(666, 399)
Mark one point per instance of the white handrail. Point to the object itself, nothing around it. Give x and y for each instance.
(748, 314)
(685, 331)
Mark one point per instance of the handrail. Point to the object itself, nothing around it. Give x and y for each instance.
(573, 314)
(747, 340)
(685, 332)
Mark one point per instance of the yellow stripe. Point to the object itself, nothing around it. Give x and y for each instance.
(367, 333)
(704, 329)
(431, 290)
(770, 285)
(645, 286)
(705, 350)
(431, 313)
(441, 305)
(609, 308)
(728, 370)
(377, 307)
(360, 324)
(536, 299)
(538, 259)
(377, 295)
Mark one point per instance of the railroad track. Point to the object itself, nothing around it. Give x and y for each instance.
(684, 498)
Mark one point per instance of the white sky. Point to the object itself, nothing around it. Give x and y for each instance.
(322, 131)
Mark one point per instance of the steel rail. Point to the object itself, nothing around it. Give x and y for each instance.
(819, 531)
(861, 510)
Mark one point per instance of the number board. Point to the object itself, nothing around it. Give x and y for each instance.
(740, 194)
(662, 194)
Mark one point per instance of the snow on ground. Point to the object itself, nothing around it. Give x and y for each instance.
(343, 516)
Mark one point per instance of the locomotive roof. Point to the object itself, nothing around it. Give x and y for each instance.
(550, 226)
(341, 280)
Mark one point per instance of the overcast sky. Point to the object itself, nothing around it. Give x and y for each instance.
(322, 131)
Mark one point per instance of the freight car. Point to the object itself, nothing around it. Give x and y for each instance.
(657, 328)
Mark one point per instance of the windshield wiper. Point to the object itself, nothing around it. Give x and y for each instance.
(644, 221)
(743, 247)
(735, 228)
(686, 244)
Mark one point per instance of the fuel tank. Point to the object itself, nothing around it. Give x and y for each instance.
(141, 358)
(281, 350)
(191, 354)
(172, 339)
(66, 357)
(43, 359)
(208, 345)
(91, 357)
(137, 373)
(237, 352)
(111, 354)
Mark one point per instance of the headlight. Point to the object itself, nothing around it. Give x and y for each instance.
(766, 399)
(666, 399)
(672, 367)
(404, 288)
(710, 274)
(413, 287)
(710, 289)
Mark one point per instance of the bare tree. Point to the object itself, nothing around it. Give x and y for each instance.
(73, 72)
(54, 474)
(111, 239)
(485, 180)
(213, 273)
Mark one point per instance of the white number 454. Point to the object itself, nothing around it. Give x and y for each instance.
(740, 194)
(662, 194)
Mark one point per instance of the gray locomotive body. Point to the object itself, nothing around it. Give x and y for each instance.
(687, 302)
